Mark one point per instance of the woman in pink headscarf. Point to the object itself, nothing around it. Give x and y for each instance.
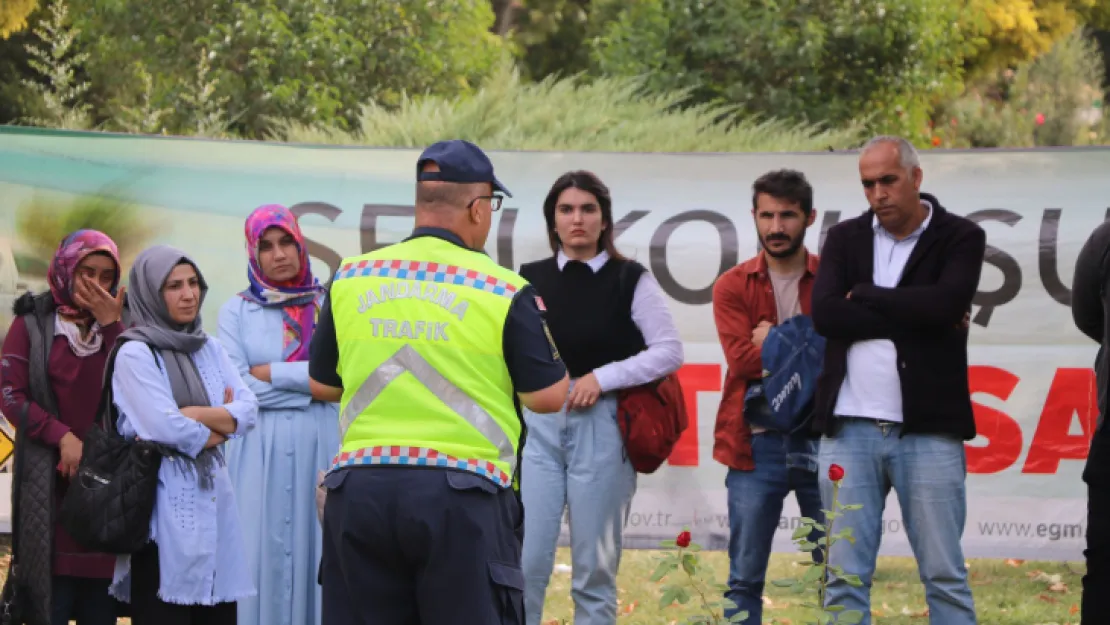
(50, 379)
(267, 329)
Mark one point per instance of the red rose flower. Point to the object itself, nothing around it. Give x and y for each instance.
(836, 472)
(683, 539)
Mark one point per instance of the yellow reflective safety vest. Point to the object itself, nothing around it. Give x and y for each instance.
(419, 326)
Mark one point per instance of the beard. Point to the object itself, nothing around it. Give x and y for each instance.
(790, 250)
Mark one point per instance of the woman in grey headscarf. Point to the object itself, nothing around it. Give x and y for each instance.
(182, 390)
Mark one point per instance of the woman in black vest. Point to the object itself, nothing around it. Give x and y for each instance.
(609, 320)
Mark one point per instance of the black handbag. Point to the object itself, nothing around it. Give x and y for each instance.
(11, 611)
(109, 503)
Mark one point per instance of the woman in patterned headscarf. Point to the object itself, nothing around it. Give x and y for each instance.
(267, 329)
(52, 365)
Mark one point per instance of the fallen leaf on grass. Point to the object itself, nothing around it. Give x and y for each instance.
(1046, 598)
(1046, 578)
(1074, 609)
(1014, 562)
(906, 611)
(631, 607)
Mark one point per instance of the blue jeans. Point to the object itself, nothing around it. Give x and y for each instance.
(575, 461)
(927, 472)
(754, 507)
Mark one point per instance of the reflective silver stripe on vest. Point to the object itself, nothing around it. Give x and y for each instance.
(407, 359)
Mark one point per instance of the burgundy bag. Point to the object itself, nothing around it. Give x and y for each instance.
(652, 416)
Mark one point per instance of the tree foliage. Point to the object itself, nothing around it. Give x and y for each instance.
(827, 60)
(1015, 31)
(311, 61)
(14, 14)
(555, 35)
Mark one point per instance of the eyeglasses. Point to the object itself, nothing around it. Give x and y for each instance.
(494, 201)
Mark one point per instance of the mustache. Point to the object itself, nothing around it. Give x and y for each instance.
(777, 237)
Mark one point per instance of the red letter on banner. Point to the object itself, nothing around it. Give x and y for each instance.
(694, 379)
(1003, 434)
(1072, 391)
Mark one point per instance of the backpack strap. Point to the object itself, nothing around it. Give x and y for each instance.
(40, 335)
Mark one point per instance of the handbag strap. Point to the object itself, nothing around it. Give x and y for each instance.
(106, 408)
(40, 334)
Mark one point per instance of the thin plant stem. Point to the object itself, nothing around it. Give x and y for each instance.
(828, 543)
(697, 587)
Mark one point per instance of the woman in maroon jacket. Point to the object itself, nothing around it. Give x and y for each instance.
(79, 319)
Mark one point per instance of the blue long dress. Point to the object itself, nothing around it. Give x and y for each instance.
(274, 470)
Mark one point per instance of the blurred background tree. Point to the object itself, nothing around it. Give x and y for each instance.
(42, 223)
(13, 15)
(1015, 31)
(258, 69)
(831, 61)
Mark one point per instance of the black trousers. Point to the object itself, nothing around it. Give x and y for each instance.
(84, 600)
(1096, 582)
(148, 609)
(420, 546)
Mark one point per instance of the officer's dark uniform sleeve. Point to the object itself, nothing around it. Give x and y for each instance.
(530, 353)
(323, 352)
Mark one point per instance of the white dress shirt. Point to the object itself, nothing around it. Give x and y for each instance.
(872, 387)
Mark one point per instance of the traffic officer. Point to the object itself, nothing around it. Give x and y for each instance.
(429, 345)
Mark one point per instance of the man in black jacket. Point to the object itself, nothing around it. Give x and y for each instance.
(1089, 299)
(892, 296)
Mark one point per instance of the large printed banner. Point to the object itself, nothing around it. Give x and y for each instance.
(686, 217)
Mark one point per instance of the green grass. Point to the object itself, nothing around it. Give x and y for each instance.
(1007, 592)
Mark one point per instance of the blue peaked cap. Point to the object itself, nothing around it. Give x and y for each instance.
(458, 161)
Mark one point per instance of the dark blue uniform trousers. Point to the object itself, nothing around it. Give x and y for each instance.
(420, 546)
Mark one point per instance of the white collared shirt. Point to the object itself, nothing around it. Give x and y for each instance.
(664, 353)
(871, 387)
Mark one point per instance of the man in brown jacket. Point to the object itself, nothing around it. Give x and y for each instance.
(764, 465)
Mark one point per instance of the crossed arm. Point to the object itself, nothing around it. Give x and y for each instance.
(858, 312)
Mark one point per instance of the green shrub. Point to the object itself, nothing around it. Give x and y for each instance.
(1054, 100)
(607, 114)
